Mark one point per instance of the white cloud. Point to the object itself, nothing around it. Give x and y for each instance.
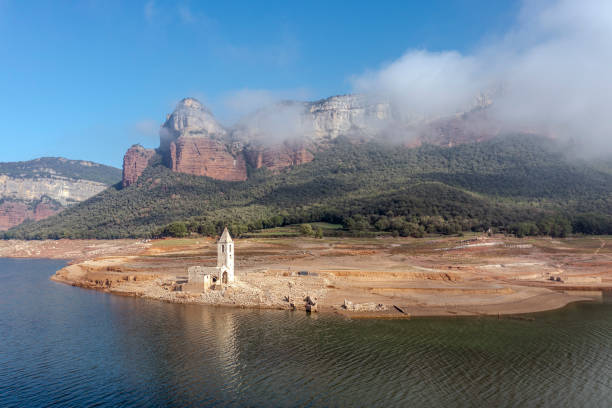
(553, 70)
(147, 128)
(423, 83)
(267, 116)
(239, 103)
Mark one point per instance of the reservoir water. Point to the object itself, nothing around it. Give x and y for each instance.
(65, 346)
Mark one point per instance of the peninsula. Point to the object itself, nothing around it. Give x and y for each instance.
(357, 277)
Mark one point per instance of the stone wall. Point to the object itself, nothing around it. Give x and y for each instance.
(200, 278)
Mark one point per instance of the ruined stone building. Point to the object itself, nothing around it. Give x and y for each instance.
(223, 273)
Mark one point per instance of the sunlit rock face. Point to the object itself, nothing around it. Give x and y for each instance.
(313, 122)
(190, 119)
(61, 189)
(36, 189)
(193, 142)
(290, 133)
(347, 115)
(279, 156)
(24, 198)
(13, 213)
(207, 157)
(136, 159)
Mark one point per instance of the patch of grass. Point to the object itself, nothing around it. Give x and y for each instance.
(291, 230)
(326, 226)
(279, 232)
(165, 243)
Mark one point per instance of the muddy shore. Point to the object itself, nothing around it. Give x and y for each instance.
(385, 277)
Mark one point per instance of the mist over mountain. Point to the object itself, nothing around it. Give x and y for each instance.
(548, 74)
(521, 183)
(290, 133)
(492, 137)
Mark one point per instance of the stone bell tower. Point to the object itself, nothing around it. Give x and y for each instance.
(225, 257)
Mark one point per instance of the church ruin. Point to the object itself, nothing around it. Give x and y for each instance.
(205, 277)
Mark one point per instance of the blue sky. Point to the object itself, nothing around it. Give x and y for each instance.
(86, 80)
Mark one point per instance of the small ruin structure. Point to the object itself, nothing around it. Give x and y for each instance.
(205, 277)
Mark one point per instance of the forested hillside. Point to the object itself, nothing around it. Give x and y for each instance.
(520, 184)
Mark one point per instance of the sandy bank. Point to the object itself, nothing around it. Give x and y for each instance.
(392, 278)
(72, 250)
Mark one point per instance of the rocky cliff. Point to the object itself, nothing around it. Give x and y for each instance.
(13, 213)
(39, 188)
(193, 142)
(347, 115)
(290, 133)
(190, 119)
(136, 159)
(209, 157)
(279, 156)
(61, 189)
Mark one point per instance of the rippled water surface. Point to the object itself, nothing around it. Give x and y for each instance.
(67, 346)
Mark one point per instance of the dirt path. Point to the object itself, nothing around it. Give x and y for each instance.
(603, 244)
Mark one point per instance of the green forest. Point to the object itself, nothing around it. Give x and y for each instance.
(522, 185)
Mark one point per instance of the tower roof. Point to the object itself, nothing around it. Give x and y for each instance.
(225, 237)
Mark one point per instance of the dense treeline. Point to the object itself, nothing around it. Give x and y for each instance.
(360, 225)
(514, 184)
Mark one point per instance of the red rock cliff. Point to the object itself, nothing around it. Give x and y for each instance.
(207, 157)
(135, 161)
(13, 213)
(278, 157)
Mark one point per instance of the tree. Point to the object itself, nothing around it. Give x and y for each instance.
(382, 224)
(523, 229)
(319, 233)
(306, 229)
(175, 229)
(207, 229)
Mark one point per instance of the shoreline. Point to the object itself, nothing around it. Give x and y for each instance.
(353, 278)
(504, 310)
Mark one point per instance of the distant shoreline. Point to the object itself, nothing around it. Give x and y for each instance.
(353, 277)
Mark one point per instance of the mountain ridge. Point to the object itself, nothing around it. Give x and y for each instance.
(289, 133)
(497, 184)
(38, 188)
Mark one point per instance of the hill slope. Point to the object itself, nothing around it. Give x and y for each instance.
(497, 183)
(36, 189)
(60, 167)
